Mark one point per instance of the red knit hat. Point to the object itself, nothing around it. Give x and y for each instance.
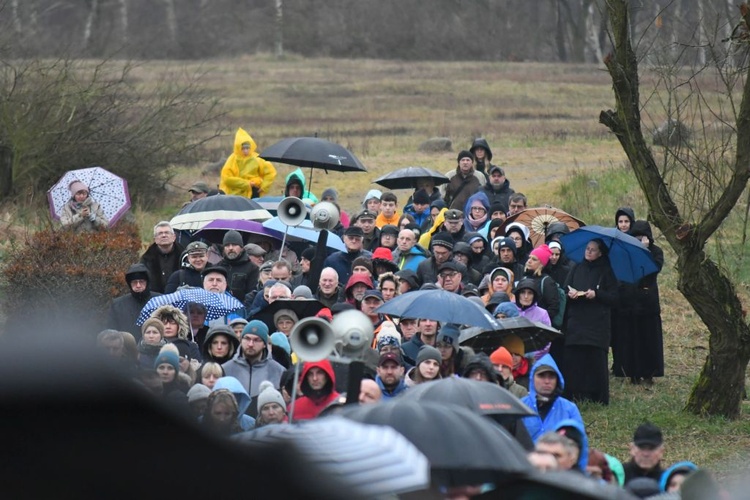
(501, 356)
(543, 253)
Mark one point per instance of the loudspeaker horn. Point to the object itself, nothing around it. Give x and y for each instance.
(312, 339)
(325, 215)
(353, 331)
(291, 211)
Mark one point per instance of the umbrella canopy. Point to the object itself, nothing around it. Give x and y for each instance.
(305, 232)
(197, 214)
(463, 448)
(484, 398)
(370, 460)
(560, 485)
(446, 307)
(215, 230)
(217, 304)
(302, 308)
(538, 219)
(106, 188)
(406, 178)
(535, 335)
(314, 153)
(629, 258)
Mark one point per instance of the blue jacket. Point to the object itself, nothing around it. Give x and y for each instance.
(401, 387)
(664, 481)
(411, 259)
(583, 457)
(243, 400)
(562, 408)
(342, 263)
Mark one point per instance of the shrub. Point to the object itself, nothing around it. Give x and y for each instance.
(58, 277)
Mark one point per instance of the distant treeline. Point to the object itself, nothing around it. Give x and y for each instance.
(494, 30)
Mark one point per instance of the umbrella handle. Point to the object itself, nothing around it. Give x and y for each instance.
(294, 391)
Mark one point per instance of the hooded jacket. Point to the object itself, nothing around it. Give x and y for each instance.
(498, 194)
(250, 376)
(250, 176)
(411, 259)
(627, 212)
(297, 176)
(313, 402)
(470, 224)
(125, 309)
(182, 341)
(353, 280)
(241, 396)
(560, 410)
(583, 456)
(535, 312)
(388, 393)
(482, 166)
(71, 217)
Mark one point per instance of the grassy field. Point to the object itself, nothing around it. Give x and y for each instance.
(542, 123)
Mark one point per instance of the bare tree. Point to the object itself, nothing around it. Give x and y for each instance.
(279, 39)
(691, 193)
(88, 28)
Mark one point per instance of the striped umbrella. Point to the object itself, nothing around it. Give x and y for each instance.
(216, 304)
(371, 460)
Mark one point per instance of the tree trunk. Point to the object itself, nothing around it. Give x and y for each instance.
(124, 20)
(16, 17)
(562, 52)
(171, 16)
(6, 171)
(707, 288)
(593, 35)
(279, 42)
(90, 22)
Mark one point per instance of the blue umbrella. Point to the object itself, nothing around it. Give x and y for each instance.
(439, 305)
(216, 304)
(629, 258)
(304, 232)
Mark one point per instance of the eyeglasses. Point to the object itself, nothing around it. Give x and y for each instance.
(478, 209)
(448, 274)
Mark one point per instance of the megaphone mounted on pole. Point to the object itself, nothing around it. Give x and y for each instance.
(292, 212)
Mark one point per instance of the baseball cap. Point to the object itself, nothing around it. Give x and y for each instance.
(373, 293)
(390, 356)
(454, 214)
(545, 368)
(196, 247)
(647, 435)
(449, 265)
(495, 168)
(199, 187)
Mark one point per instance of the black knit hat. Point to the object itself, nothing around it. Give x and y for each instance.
(464, 154)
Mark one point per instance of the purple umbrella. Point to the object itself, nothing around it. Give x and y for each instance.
(214, 231)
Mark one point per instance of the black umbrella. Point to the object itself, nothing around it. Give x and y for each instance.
(484, 398)
(463, 448)
(559, 485)
(302, 308)
(535, 335)
(406, 178)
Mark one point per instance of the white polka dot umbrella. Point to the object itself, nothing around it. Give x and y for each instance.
(108, 189)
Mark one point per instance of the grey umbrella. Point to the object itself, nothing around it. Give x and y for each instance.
(406, 178)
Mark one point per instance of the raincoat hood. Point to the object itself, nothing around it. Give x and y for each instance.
(298, 177)
(481, 142)
(354, 279)
(235, 387)
(549, 361)
(482, 198)
(678, 467)
(641, 228)
(583, 456)
(627, 212)
(240, 138)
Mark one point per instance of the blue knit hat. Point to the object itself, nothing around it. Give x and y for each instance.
(281, 340)
(509, 309)
(449, 334)
(256, 327)
(168, 357)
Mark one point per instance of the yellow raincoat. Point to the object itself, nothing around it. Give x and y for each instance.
(243, 172)
(425, 239)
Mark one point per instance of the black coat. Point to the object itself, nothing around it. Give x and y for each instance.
(161, 265)
(243, 275)
(547, 297)
(587, 322)
(187, 276)
(125, 310)
(501, 195)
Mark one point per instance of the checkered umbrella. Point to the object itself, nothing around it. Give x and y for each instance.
(106, 188)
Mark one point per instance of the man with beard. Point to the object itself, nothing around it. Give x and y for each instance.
(252, 365)
(426, 335)
(441, 247)
(125, 309)
(162, 258)
(498, 188)
(242, 273)
(196, 254)
(464, 181)
(318, 387)
(390, 377)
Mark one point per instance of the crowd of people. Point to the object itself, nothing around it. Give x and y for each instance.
(237, 373)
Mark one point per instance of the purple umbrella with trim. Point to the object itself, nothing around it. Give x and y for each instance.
(108, 189)
(215, 230)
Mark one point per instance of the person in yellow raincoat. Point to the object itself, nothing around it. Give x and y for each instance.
(245, 173)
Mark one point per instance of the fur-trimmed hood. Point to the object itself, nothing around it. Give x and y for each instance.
(183, 328)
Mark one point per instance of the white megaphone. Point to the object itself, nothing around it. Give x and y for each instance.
(312, 339)
(325, 215)
(353, 331)
(291, 211)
